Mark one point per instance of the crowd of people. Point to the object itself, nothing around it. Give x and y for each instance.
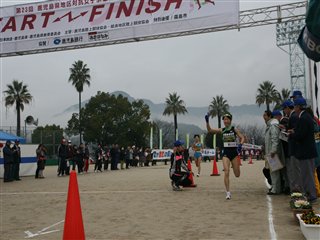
(292, 139)
(12, 160)
(292, 153)
(71, 156)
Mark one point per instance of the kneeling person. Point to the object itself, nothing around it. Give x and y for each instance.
(179, 177)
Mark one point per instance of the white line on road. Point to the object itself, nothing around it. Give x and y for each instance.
(273, 234)
(127, 191)
(43, 231)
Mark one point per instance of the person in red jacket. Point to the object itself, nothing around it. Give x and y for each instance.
(179, 172)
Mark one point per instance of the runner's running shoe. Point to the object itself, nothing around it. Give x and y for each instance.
(228, 197)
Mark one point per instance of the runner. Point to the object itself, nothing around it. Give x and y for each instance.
(197, 148)
(230, 146)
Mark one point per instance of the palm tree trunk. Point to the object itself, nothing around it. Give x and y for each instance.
(219, 120)
(80, 117)
(267, 103)
(18, 118)
(268, 107)
(175, 126)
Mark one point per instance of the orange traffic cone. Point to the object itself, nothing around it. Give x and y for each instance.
(239, 160)
(215, 168)
(190, 175)
(250, 161)
(73, 224)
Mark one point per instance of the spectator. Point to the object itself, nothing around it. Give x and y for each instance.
(106, 158)
(122, 157)
(283, 123)
(293, 164)
(8, 162)
(191, 153)
(16, 160)
(86, 158)
(148, 155)
(99, 156)
(135, 156)
(296, 94)
(41, 160)
(131, 156)
(306, 151)
(127, 156)
(70, 157)
(62, 154)
(272, 148)
(142, 157)
(316, 124)
(113, 157)
(79, 158)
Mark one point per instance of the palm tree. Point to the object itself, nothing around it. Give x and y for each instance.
(174, 106)
(18, 95)
(266, 94)
(283, 95)
(218, 107)
(79, 76)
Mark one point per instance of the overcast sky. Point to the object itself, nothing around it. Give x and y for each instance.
(199, 67)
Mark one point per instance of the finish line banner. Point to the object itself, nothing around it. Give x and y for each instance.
(84, 23)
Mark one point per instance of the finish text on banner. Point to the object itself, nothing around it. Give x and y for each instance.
(61, 24)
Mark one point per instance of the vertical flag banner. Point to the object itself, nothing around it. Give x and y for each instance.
(160, 139)
(151, 137)
(64, 24)
(177, 134)
(187, 140)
